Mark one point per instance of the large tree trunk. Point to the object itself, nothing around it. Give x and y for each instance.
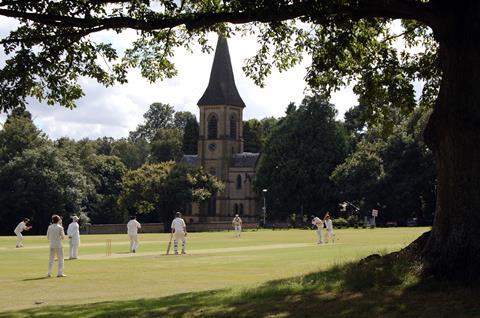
(453, 133)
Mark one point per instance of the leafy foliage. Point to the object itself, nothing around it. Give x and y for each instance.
(161, 189)
(18, 134)
(395, 174)
(256, 132)
(39, 183)
(158, 116)
(349, 42)
(106, 173)
(166, 145)
(300, 153)
(190, 136)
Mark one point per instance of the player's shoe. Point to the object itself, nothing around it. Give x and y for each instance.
(62, 275)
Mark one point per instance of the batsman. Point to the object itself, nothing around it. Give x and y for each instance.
(179, 232)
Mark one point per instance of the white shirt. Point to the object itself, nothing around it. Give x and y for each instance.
(55, 235)
(329, 224)
(319, 223)
(73, 232)
(132, 227)
(178, 224)
(237, 221)
(20, 227)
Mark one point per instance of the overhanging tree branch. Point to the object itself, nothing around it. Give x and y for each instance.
(314, 10)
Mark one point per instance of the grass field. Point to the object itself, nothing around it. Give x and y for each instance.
(263, 274)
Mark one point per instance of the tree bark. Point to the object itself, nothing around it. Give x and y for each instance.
(453, 133)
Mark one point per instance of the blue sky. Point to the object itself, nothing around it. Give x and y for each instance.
(114, 111)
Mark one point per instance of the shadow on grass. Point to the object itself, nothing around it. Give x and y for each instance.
(387, 286)
(36, 278)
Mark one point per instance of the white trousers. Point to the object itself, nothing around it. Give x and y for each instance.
(238, 230)
(19, 239)
(319, 234)
(179, 236)
(329, 233)
(134, 243)
(59, 252)
(73, 250)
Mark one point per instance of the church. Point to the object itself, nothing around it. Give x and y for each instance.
(220, 147)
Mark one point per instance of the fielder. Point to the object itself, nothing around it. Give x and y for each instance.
(132, 229)
(22, 226)
(329, 228)
(179, 232)
(319, 224)
(73, 233)
(55, 235)
(237, 225)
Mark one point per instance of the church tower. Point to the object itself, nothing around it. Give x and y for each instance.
(220, 146)
(221, 115)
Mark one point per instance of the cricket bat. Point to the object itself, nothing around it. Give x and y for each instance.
(169, 245)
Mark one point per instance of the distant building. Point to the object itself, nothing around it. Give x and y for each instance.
(220, 147)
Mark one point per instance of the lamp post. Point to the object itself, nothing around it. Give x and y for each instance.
(264, 206)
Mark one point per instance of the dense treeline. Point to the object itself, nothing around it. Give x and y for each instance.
(299, 155)
(310, 163)
(94, 178)
(393, 173)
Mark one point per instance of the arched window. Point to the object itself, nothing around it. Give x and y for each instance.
(241, 209)
(239, 182)
(233, 126)
(213, 127)
(235, 208)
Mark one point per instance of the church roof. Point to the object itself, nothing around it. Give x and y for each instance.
(191, 160)
(221, 88)
(245, 159)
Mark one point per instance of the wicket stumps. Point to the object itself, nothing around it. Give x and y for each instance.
(109, 247)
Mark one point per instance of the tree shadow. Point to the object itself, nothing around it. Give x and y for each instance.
(388, 286)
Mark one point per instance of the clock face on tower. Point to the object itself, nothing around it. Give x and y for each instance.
(212, 146)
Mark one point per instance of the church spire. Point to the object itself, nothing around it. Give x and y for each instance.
(221, 88)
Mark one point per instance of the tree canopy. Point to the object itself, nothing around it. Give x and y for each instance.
(161, 189)
(51, 48)
(395, 174)
(299, 156)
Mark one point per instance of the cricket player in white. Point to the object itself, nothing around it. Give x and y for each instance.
(237, 225)
(73, 233)
(179, 232)
(55, 235)
(319, 224)
(22, 226)
(329, 228)
(132, 229)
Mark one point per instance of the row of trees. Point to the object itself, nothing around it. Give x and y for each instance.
(103, 180)
(392, 173)
(310, 163)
